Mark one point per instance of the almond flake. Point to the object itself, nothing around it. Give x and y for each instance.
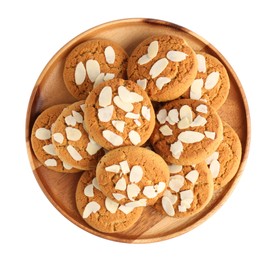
(173, 198)
(132, 191)
(132, 115)
(176, 182)
(89, 190)
(118, 196)
(95, 183)
(153, 49)
(73, 134)
(150, 192)
(67, 166)
(113, 168)
(99, 79)
(105, 113)
(176, 56)
(158, 67)
(110, 54)
(105, 97)
(58, 137)
(137, 203)
(161, 116)
(112, 137)
(136, 174)
(198, 121)
(161, 81)
(195, 89)
(215, 168)
(202, 109)
(144, 59)
(192, 176)
(70, 120)
(82, 107)
(166, 130)
(201, 63)
(212, 80)
(92, 147)
(124, 94)
(134, 137)
(211, 135)
(51, 162)
(167, 206)
(93, 69)
(74, 153)
(213, 156)
(127, 107)
(124, 167)
(145, 111)
(78, 117)
(184, 123)
(125, 210)
(176, 149)
(43, 133)
(142, 83)
(186, 195)
(118, 125)
(173, 168)
(91, 207)
(186, 111)
(121, 184)
(80, 73)
(108, 76)
(173, 116)
(49, 149)
(111, 205)
(190, 137)
(137, 122)
(181, 208)
(160, 187)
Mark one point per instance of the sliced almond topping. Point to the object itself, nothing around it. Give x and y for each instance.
(43, 133)
(136, 174)
(153, 49)
(74, 153)
(112, 137)
(113, 168)
(125, 210)
(121, 184)
(192, 176)
(142, 83)
(70, 120)
(51, 162)
(132, 115)
(58, 137)
(137, 203)
(212, 80)
(195, 90)
(158, 67)
(176, 56)
(173, 168)
(127, 107)
(186, 111)
(95, 183)
(132, 191)
(160, 187)
(149, 192)
(118, 125)
(176, 182)
(92, 147)
(93, 69)
(215, 168)
(49, 149)
(161, 116)
(167, 206)
(67, 166)
(78, 117)
(176, 149)
(73, 134)
(80, 73)
(198, 121)
(82, 107)
(124, 94)
(89, 190)
(118, 196)
(105, 113)
(186, 195)
(213, 156)
(173, 116)
(108, 76)
(181, 208)
(110, 54)
(99, 79)
(211, 135)
(145, 111)
(190, 137)
(111, 205)
(91, 207)
(134, 137)
(105, 97)
(161, 81)
(124, 167)
(184, 123)
(173, 198)
(166, 130)
(137, 122)
(202, 108)
(144, 59)
(201, 63)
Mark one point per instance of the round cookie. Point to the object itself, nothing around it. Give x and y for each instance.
(42, 142)
(186, 132)
(189, 190)
(71, 141)
(212, 82)
(119, 113)
(132, 176)
(99, 211)
(164, 65)
(224, 163)
(91, 63)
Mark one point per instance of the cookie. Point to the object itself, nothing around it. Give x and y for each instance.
(189, 190)
(186, 132)
(100, 212)
(224, 163)
(42, 142)
(132, 176)
(119, 113)
(91, 63)
(212, 82)
(71, 141)
(164, 65)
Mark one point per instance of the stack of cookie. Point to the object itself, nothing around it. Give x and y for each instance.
(145, 130)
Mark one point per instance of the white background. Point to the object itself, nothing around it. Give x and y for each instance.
(33, 31)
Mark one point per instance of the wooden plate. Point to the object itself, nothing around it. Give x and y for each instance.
(50, 90)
